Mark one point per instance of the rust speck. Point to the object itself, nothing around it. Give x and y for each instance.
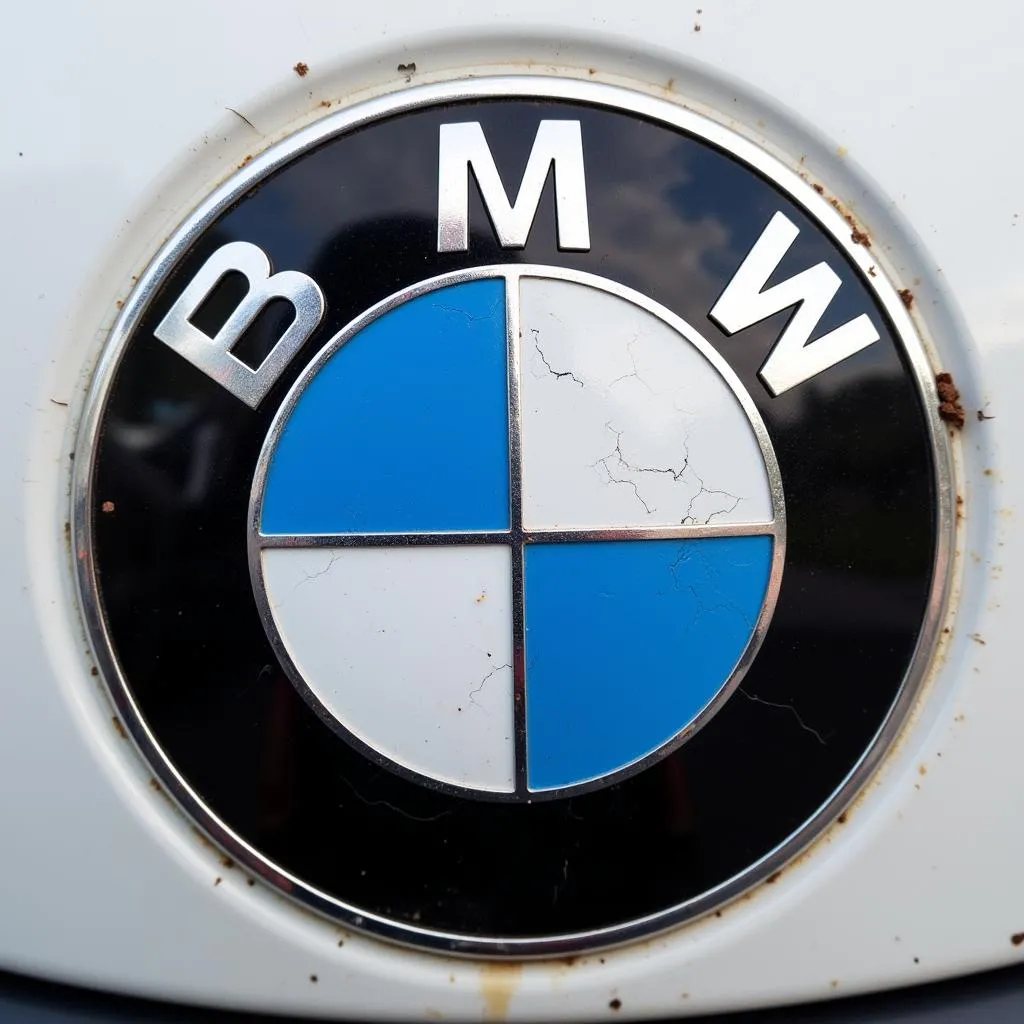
(773, 878)
(1017, 938)
(227, 862)
(301, 69)
(107, 506)
(907, 297)
(155, 786)
(119, 303)
(247, 160)
(94, 671)
(615, 1004)
(922, 769)
(820, 189)
(857, 236)
(325, 103)
(843, 818)
(118, 727)
(950, 409)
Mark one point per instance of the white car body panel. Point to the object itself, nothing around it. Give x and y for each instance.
(117, 119)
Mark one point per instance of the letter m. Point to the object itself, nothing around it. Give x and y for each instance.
(558, 144)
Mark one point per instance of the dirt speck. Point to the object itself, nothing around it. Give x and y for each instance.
(247, 160)
(593, 71)
(407, 69)
(907, 297)
(217, 881)
(922, 769)
(119, 303)
(301, 69)
(820, 189)
(1017, 938)
(982, 416)
(615, 1004)
(950, 409)
(871, 272)
(107, 506)
(843, 818)
(696, 26)
(94, 671)
(834, 983)
(773, 878)
(978, 639)
(118, 727)
(155, 786)
(325, 103)
(313, 978)
(252, 881)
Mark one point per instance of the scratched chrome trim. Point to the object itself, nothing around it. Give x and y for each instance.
(516, 536)
(532, 87)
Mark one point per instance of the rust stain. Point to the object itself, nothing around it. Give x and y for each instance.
(857, 236)
(950, 409)
(301, 69)
(498, 983)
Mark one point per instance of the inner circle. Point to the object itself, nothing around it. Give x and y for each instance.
(551, 550)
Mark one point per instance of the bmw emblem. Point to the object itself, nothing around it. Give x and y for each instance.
(512, 516)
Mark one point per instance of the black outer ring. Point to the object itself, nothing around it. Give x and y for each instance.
(672, 217)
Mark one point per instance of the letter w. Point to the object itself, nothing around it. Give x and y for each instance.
(746, 301)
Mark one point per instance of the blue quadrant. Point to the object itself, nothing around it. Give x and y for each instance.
(626, 642)
(405, 428)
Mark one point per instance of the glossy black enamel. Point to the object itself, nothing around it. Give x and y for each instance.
(671, 217)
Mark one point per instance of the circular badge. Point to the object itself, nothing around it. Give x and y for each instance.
(512, 516)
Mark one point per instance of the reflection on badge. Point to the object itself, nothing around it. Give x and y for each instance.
(521, 480)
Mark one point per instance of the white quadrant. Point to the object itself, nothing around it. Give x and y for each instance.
(409, 648)
(624, 422)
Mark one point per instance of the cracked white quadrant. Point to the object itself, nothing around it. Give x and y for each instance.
(624, 421)
(409, 648)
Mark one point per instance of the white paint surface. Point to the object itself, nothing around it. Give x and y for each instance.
(409, 648)
(103, 882)
(625, 423)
